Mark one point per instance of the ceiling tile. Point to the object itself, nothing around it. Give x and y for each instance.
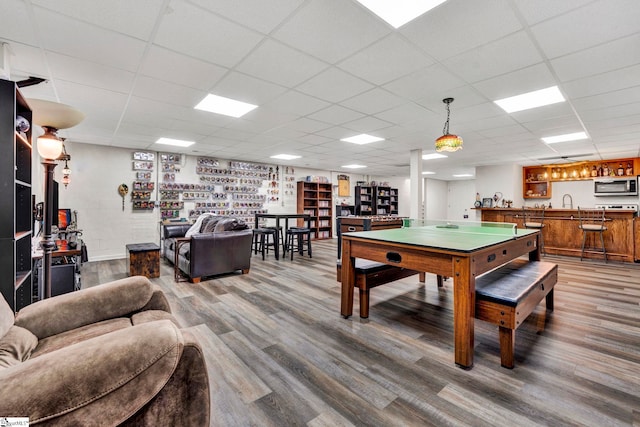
(60, 34)
(173, 67)
(525, 80)
(192, 31)
(489, 59)
(367, 124)
(297, 103)
(424, 82)
(541, 10)
(602, 83)
(133, 18)
(457, 26)
(248, 89)
(600, 59)
(373, 101)
(399, 56)
(261, 63)
(331, 29)
(12, 25)
(89, 74)
(147, 87)
(334, 85)
(257, 14)
(605, 20)
(336, 115)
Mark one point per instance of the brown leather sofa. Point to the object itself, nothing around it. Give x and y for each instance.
(221, 245)
(110, 355)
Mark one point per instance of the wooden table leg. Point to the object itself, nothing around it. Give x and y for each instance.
(464, 300)
(348, 279)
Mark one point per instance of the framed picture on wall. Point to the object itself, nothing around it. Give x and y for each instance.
(487, 202)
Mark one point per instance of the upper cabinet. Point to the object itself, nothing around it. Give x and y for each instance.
(537, 180)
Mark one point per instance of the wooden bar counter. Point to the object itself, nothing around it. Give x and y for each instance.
(563, 237)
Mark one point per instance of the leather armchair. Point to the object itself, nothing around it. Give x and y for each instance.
(108, 355)
(222, 246)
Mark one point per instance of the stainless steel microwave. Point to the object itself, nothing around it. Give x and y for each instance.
(615, 186)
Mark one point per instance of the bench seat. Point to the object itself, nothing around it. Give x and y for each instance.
(370, 274)
(508, 295)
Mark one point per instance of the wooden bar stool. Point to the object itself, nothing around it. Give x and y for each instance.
(280, 237)
(296, 239)
(533, 218)
(263, 239)
(592, 221)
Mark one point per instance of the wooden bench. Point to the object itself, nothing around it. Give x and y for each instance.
(506, 296)
(370, 274)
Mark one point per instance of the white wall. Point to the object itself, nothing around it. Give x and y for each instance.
(461, 196)
(436, 199)
(97, 171)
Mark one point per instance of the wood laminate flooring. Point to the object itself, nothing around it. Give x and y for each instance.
(279, 353)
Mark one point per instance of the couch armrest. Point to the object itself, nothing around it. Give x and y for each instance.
(75, 309)
(158, 300)
(109, 377)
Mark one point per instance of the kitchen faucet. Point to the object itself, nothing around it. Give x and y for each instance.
(564, 205)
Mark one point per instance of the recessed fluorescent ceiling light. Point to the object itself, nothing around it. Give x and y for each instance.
(175, 142)
(354, 166)
(285, 157)
(428, 173)
(433, 156)
(565, 138)
(221, 105)
(399, 12)
(462, 175)
(526, 101)
(361, 139)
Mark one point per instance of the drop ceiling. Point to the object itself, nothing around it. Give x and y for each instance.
(323, 70)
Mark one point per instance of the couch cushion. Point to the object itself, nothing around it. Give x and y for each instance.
(229, 224)
(16, 346)
(209, 224)
(151, 316)
(55, 342)
(7, 316)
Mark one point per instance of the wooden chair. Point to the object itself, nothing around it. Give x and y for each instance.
(592, 221)
(533, 218)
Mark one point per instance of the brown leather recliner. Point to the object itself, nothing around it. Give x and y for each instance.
(108, 355)
(222, 245)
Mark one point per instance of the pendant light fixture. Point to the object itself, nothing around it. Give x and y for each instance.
(65, 171)
(448, 142)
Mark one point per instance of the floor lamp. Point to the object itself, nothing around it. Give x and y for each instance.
(49, 148)
(51, 116)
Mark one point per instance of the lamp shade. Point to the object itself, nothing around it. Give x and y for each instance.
(49, 145)
(448, 142)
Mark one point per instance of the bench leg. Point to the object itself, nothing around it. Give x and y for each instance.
(549, 300)
(364, 303)
(422, 276)
(440, 281)
(507, 347)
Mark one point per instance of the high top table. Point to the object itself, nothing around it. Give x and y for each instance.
(277, 217)
(461, 250)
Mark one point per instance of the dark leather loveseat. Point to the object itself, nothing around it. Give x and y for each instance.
(220, 245)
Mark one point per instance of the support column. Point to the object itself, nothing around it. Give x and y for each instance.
(416, 207)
